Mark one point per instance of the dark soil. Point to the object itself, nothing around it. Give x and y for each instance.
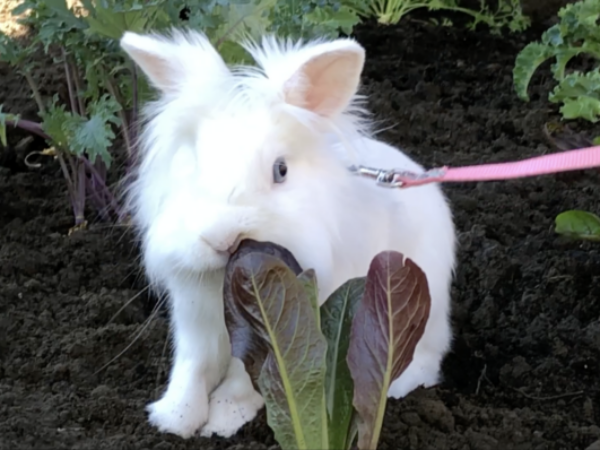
(524, 372)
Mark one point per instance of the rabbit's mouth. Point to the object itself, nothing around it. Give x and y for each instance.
(246, 246)
(235, 245)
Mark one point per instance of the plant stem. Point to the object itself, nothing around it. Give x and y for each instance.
(124, 128)
(74, 108)
(406, 9)
(134, 110)
(65, 171)
(69, 180)
(100, 168)
(100, 180)
(81, 185)
(77, 81)
(35, 90)
(477, 15)
(97, 199)
(28, 125)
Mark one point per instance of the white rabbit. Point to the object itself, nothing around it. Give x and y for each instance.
(263, 153)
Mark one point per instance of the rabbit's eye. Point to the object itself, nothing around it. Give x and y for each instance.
(279, 170)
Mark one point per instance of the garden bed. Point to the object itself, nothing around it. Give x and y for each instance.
(524, 371)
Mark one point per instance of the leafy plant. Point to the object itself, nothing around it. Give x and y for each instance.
(579, 225)
(311, 371)
(576, 33)
(507, 13)
(308, 19)
(102, 91)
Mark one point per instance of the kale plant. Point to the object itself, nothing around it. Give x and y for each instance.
(308, 361)
(577, 33)
(507, 12)
(103, 92)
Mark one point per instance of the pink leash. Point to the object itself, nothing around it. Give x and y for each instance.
(584, 158)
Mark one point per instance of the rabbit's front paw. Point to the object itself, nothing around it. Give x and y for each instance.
(180, 415)
(233, 404)
(423, 371)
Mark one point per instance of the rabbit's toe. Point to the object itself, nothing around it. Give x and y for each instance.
(181, 415)
(233, 404)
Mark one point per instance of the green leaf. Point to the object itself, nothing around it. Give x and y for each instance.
(10, 51)
(344, 18)
(95, 135)
(388, 323)
(63, 12)
(293, 375)
(23, 7)
(577, 84)
(526, 63)
(578, 224)
(54, 23)
(207, 16)
(53, 123)
(234, 53)
(93, 78)
(563, 56)
(248, 17)
(107, 29)
(314, 19)
(114, 20)
(81, 136)
(580, 95)
(579, 20)
(582, 107)
(553, 36)
(337, 314)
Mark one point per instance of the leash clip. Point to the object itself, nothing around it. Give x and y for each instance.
(399, 178)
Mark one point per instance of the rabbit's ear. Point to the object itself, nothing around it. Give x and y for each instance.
(326, 82)
(169, 61)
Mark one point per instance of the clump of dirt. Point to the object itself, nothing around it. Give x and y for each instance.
(523, 373)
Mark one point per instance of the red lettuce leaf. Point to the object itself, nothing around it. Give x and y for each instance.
(387, 325)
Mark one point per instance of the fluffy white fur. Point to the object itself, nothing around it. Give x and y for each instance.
(205, 181)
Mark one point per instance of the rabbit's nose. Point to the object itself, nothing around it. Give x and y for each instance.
(224, 245)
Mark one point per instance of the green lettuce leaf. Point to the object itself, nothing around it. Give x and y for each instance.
(337, 314)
